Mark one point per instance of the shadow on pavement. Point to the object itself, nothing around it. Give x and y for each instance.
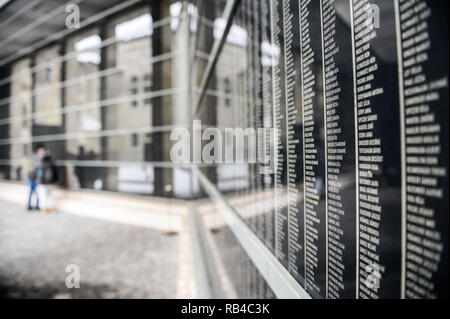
(24, 291)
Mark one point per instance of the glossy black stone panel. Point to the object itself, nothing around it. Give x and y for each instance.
(358, 93)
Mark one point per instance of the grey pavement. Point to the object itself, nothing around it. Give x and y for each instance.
(115, 260)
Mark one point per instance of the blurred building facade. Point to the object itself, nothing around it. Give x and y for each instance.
(104, 98)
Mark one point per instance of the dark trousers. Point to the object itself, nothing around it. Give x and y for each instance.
(32, 190)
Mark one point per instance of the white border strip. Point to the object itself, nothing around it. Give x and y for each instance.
(355, 93)
(325, 127)
(3, 3)
(274, 123)
(403, 142)
(276, 275)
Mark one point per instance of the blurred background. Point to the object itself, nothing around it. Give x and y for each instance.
(100, 85)
(103, 97)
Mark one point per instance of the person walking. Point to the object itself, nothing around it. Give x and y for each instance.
(45, 174)
(32, 176)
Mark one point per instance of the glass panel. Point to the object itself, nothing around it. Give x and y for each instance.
(20, 106)
(84, 89)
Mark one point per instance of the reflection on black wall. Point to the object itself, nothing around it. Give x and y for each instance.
(326, 77)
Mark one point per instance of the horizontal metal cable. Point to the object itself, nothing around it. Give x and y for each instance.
(114, 164)
(202, 55)
(54, 62)
(26, 8)
(87, 77)
(72, 54)
(101, 163)
(91, 105)
(207, 22)
(59, 35)
(85, 135)
(46, 17)
(219, 94)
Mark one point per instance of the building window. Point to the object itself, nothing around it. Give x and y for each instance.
(48, 73)
(147, 90)
(227, 92)
(134, 92)
(134, 140)
(24, 112)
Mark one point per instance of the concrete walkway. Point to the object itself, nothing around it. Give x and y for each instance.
(116, 258)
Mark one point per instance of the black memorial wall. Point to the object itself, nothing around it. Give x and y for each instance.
(357, 90)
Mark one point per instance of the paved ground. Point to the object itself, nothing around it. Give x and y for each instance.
(115, 260)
